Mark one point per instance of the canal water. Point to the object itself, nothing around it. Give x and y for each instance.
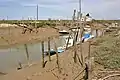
(10, 57)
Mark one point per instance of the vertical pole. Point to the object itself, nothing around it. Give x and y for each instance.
(89, 49)
(27, 54)
(102, 32)
(96, 33)
(75, 39)
(89, 63)
(81, 34)
(57, 57)
(68, 41)
(42, 44)
(36, 26)
(80, 6)
(75, 53)
(73, 22)
(81, 30)
(37, 12)
(91, 31)
(49, 48)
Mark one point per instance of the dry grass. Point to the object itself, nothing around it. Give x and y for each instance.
(108, 52)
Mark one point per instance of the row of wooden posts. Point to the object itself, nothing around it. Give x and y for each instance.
(43, 57)
(88, 64)
(76, 56)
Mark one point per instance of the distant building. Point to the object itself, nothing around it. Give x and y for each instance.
(87, 17)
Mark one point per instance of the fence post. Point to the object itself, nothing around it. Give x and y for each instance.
(58, 64)
(89, 63)
(96, 33)
(42, 44)
(49, 48)
(68, 41)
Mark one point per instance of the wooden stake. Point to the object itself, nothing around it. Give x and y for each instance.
(89, 63)
(89, 49)
(42, 44)
(86, 72)
(57, 57)
(96, 33)
(27, 54)
(68, 41)
(102, 32)
(75, 54)
(49, 48)
(81, 34)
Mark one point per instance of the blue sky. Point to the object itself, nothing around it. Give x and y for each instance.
(99, 9)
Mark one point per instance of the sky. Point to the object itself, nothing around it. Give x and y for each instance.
(63, 9)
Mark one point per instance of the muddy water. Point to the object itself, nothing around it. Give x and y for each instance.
(10, 57)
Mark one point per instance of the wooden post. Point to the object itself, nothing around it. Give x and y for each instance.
(42, 44)
(57, 57)
(81, 34)
(89, 49)
(49, 48)
(75, 54)
(102, 32)
(20, 65)
(27, 54)
(91, 31)
(68, 41)
(86, 77)
(96, 33)
(89, 63)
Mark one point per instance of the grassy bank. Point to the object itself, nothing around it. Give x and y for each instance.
(107, 51)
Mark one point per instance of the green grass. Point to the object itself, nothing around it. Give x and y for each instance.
(39, 23)
(107, 52)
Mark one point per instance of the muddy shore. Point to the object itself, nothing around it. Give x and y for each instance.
(13, 36)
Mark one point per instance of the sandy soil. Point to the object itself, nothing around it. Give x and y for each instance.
(11, 36)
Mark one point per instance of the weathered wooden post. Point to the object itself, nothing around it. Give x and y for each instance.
(42, 45)
(88, 65)
(74, 40)
(96, 33)
(58, 64)
(20, 65)
(81, 34)
(68, 41)
(89, 45)
(90, 62)
(49, 48)
(27, 54)
(103, 32)
(91, 32)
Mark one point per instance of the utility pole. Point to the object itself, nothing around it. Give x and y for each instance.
(37, 12)
(80, 11)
